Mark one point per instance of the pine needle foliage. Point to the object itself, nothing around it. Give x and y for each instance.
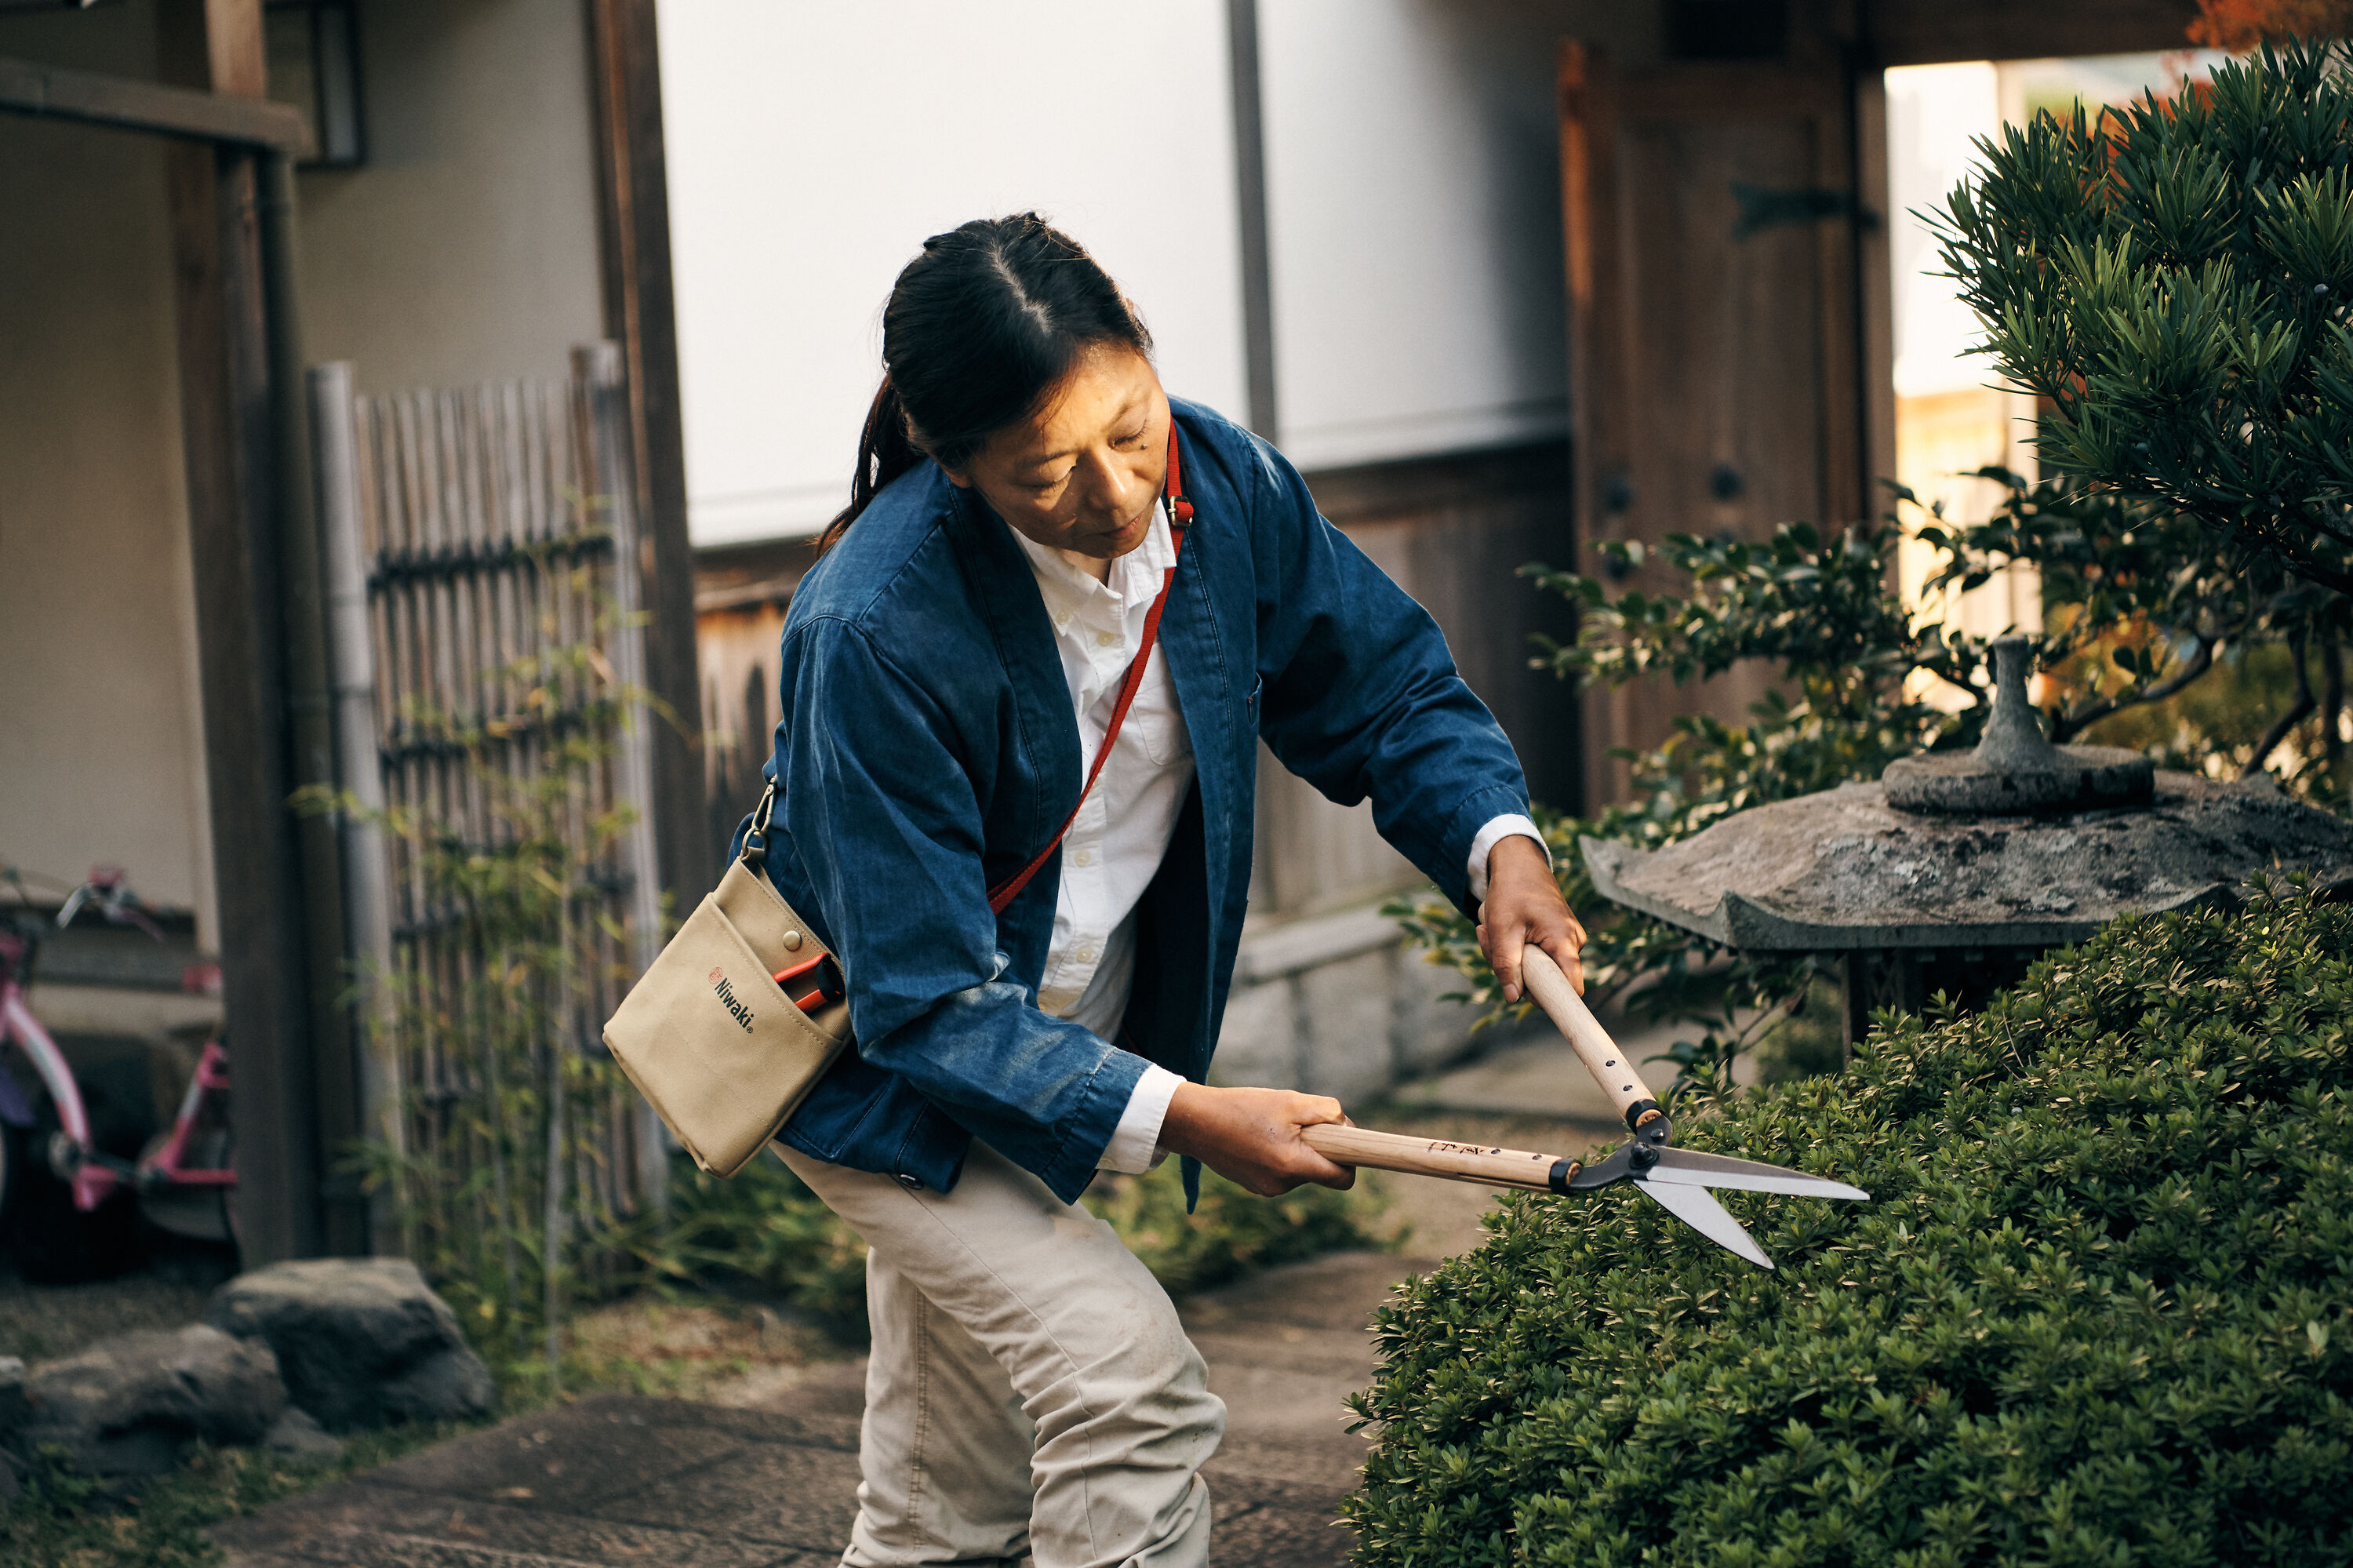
(2100, 1312)
(2172, 280)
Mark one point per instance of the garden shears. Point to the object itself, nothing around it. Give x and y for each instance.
(1677, 1180)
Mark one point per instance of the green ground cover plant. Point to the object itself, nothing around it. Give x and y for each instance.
(2099, 1312)
(65, 1520)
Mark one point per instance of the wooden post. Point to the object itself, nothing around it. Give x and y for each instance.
(237, 63)
(225, 425)
(634, 211)
(333, 1035)
(260, 649)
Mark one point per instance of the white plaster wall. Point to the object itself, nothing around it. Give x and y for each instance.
(1413, 193)
(100, 730)
(465, 249)
(812, 147)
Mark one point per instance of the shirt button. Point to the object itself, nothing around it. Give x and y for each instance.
(913, 1183)
(1106, 639)
(1082, 857)
(1084, 955)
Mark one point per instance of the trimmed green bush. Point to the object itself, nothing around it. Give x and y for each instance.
(2100, 1313)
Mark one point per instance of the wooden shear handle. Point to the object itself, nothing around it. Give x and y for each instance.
(1437, 1157)
(1611, 1068)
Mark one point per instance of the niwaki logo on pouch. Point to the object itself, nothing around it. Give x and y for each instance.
(726, 994)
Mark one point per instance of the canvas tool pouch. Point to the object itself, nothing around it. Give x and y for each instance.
(709, 1037)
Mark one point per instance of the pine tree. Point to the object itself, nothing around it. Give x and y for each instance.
(2172, 280)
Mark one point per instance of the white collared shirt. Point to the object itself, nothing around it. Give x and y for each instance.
(1114, 847)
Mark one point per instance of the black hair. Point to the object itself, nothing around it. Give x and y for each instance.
(979, 329)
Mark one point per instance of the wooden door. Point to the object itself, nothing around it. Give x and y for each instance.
(1727, 360)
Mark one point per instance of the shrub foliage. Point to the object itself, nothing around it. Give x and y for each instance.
(2101, 1311)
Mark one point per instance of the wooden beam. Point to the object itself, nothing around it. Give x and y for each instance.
(26, 88)
(236, 53)
(1933, 32)
(634, 213)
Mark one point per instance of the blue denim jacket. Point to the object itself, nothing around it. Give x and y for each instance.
(928, 750)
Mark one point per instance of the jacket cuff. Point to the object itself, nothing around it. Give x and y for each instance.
(1464, 828)
(1100, 1105)
(1510, 825)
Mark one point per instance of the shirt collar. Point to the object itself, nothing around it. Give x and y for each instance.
(1134, 576)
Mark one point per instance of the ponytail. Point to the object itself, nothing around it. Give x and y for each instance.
(979, 328)
(886, 449)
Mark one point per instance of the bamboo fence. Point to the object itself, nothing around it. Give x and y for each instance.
(494, 531)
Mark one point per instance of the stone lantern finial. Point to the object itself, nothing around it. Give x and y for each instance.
(2014, 768)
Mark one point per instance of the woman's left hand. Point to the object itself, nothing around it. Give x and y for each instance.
(1523, 905)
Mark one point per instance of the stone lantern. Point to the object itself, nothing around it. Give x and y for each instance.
(1954, 871)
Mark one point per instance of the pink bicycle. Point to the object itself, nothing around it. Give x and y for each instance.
(69, 1207)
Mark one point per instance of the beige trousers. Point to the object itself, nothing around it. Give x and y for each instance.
(1031, 1392)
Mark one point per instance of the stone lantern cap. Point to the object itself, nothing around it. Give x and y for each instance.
(2019, 843)
(1845, 869)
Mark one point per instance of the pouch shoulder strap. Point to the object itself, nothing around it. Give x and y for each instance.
(1180, 514)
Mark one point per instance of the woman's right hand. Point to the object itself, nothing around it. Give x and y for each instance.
(1251, 1137)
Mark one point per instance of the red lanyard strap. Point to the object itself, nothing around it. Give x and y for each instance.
(1181, 511)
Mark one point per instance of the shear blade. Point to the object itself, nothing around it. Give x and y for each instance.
(1689, 1167)
(1703, 1213)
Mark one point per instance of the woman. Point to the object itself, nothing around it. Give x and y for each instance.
(1030, 511)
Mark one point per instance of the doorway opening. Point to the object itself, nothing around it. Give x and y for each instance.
(1951, 418)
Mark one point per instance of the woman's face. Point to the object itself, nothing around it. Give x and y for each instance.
(1084, 472)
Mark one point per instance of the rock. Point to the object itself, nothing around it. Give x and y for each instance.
(296, 1435)
(130, 1404)
(448, 1387)
(360, 1342)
